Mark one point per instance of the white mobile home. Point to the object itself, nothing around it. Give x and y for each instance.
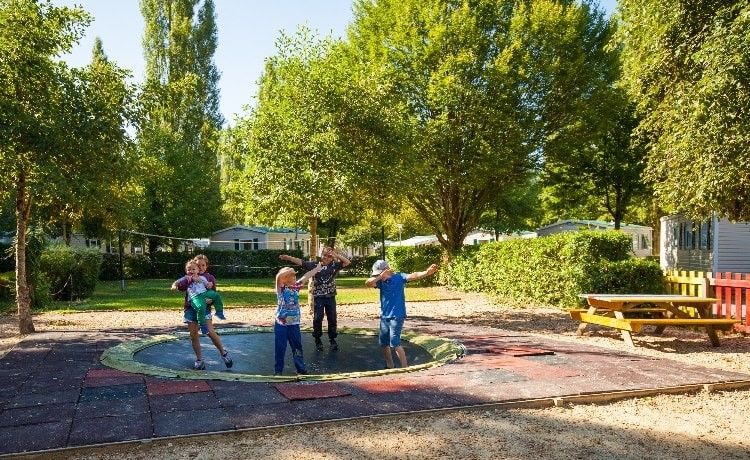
(714, 245)
(246, 238)
(640, 235)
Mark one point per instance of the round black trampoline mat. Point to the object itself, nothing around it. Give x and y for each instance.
(253, 353)
(252, 350)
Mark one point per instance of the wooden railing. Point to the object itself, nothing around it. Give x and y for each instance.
(730, 289)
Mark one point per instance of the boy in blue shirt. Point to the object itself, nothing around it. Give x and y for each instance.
(393, 306)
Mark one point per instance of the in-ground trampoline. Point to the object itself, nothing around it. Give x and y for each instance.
(253, 352)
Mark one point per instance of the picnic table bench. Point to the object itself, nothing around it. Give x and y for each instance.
(630, 312)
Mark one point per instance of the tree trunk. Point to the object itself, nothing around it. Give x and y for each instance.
(313, 237)
(23, 299)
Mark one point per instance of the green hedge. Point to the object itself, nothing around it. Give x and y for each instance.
(409, 259)
(262, 263)
(554, 269)
(71, 272)
(361, 266)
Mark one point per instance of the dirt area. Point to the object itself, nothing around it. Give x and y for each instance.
(707, 425)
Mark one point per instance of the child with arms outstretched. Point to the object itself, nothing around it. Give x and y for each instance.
(286, 325)
(198, 317)
(393, 306)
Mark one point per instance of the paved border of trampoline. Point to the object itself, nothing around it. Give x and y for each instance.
(121, 357)
(532, 403)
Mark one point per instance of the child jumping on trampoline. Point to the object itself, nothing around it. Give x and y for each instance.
(393, 306)
(286, 326)
(198, 289)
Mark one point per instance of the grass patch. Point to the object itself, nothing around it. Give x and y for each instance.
(154, 294)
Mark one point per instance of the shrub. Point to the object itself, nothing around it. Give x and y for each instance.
(554, 269)
(72, 272)
(361, 266)
(409, 259)
(222, 264)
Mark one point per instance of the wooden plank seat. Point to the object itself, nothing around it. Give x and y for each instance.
(636, 324)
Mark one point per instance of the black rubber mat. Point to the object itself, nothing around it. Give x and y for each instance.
(253, 353)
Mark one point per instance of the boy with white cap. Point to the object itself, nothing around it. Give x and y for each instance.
(393, 306)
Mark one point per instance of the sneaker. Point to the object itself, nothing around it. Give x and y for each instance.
(227, 359)
(318, 344)
(302, 372)
(334, 346)
(199, 365)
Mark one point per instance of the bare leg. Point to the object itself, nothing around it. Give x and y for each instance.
(388, 357)
(401, 355)
(214, 336)
(195, 339)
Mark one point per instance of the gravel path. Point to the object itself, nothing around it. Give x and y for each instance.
(698, 426)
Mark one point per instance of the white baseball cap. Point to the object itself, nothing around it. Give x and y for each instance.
(379, 267)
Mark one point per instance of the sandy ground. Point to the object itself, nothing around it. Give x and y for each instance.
(707, 425)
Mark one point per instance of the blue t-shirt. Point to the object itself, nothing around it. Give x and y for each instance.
(392, 298)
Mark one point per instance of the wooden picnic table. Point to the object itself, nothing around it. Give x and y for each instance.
(630, 312)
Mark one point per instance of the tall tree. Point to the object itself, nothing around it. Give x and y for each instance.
(103, 203)
(179, 137)
(487, 85)
(55, 123)
(300, 160)
(686, 65)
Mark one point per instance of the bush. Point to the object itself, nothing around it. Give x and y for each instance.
(361, 266)
(409, 259)
(555, 269)
(7, 279)
(171, 265)
(72, 272)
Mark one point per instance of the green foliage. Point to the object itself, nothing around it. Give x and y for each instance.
(179, 135)
(62, 131)
(222, 264)
(297, 150)
(483, 87)
(39, 284)
(555, 269)
(361, 266)
(686, 66)
(7, 280)
(72, 272)
(409, 259)
(6, 258)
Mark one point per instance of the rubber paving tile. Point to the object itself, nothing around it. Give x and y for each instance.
(37, 414)
(190, 422)
(105, 408)
(265, 415)
(232, 394)
(184, 401)
(42, 399)
(170, 387)
(112, 381)
(34, 437)
(110, 429)
(328, 409)
(113, 393)
(298, 391)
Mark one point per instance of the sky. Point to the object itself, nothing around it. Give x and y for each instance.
(248, 30)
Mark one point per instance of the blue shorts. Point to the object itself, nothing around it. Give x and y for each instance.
(390, 331)
(191, 316)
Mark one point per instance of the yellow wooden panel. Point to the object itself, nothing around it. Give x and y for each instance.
(616, 323)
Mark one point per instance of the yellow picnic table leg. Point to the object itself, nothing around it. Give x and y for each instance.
(626, 336)
(582, 326)
(704, 311)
